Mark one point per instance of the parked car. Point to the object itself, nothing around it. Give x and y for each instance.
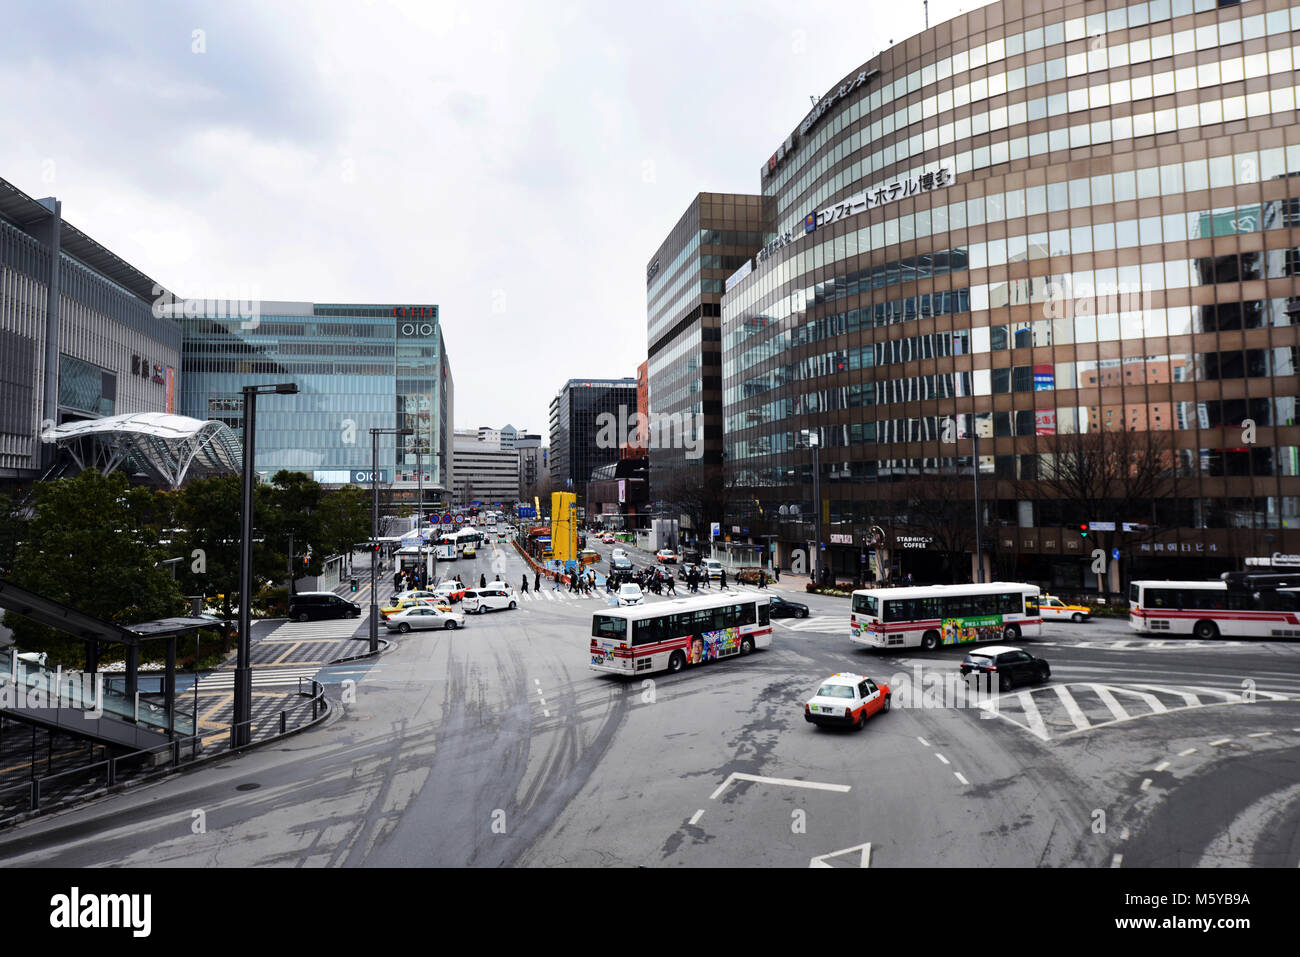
(320, 605)
(1011, 666)
(780, 608)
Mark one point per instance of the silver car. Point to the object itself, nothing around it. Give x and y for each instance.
(424, 616)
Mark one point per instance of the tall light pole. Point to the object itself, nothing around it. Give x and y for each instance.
(814, 442)
(241, 726)
(374, 529)
(979, 545)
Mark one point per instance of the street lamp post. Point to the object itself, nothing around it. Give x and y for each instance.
(241, 724)
(814, 442)
(374, 529)
(979, 544)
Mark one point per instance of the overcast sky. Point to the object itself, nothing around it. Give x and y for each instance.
(515, 163)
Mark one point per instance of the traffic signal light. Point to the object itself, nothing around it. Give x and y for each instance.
(1083, 530)
(354, 584)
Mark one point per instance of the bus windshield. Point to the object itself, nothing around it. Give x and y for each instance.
(866, 605)
(607, 626)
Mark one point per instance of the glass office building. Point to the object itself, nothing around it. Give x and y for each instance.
(581, 439)
(357, 367)
(1060, 233)
(685, 281)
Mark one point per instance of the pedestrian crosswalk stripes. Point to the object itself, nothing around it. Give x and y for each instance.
(317, 630)
(1062, 710)
(262, 678)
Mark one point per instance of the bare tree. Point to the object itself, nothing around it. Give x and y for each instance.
(703, 494)
(942, 509)
(1106, 475)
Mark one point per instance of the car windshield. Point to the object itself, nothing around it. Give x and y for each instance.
(630, 590)
(835, 691)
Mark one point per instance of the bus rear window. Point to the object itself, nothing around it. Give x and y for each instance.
(866, 605)
(607, 626)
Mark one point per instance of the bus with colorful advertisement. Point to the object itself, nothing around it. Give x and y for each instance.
(673, 635)
(928, 616)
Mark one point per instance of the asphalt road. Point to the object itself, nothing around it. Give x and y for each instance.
(496, 745)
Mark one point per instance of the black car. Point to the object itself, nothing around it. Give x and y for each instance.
(1010, 665)
(685, 568)
(780, 608)
(318, 605)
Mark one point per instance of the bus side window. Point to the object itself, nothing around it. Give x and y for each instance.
(764, 613)
(746, 615)
(1012, 604)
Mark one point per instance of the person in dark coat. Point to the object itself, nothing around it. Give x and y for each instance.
(523, 585)
(537, 581)
(722, 582)
(482, 581)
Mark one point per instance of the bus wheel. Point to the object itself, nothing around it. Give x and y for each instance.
(1011, 633)
(676, 662)
(930, 640)
(1206, 630)
(746, 645)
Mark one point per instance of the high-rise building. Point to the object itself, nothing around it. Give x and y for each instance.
(485, 471)
(78, 334)
(531, 467)
(357, 367)
(588, 421)
(685, 281)
(1065, 231)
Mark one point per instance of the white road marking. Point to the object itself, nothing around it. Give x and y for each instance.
(1036, 724)
(961, 778)
(695, 818)
(1123, 835)
(1116, 860)
(1259, 734)
(1146, 783)
(1183, 754)
(941, 757)
(1072, 708)
(1215, 744)
(785, 782)
(863, 861)
(1161, 766)
(926, 744)
(1110, 701)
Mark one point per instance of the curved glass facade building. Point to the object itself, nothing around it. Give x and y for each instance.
(1049, 246)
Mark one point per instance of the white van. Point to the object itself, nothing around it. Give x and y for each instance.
(492, 597)
(712, 567)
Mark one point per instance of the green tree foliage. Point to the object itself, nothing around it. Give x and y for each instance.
(344, 520)
(92, 544)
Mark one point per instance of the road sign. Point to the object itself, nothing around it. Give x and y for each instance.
(1101, 526)
(460, 519)
(1114, 554)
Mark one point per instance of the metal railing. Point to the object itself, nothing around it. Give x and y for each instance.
(89, 780)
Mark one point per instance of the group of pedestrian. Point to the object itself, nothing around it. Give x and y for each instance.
(408, 580)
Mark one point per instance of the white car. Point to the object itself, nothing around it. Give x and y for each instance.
(495, 596)
(630, 594)
(1052, 607)
(424, 617)
(617, 553)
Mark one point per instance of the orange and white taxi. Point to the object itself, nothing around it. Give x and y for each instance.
(846, 700)
(1053, 608)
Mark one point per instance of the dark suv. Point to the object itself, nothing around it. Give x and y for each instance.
(317, 605)
(1011, 666)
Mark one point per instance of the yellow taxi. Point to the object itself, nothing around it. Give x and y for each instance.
(405, 603)
(1052, 607)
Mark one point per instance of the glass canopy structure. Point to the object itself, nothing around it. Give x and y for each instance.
(166, 448)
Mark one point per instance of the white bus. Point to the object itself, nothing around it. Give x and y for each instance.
(934, 615)
(1210, 609)
(669, 635)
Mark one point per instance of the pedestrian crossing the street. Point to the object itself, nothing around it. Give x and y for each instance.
(1061, 710)
(262, 678)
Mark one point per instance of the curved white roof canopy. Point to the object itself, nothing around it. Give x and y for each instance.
(163, 446)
